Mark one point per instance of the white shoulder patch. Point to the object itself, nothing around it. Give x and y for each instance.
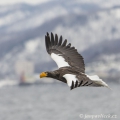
(70, 78)
(59, 60)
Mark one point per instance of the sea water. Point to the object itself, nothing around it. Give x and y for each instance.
(55, 101)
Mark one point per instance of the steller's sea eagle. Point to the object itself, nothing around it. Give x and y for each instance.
(71, 67)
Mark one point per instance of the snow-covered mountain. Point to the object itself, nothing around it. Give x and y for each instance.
(91, 27)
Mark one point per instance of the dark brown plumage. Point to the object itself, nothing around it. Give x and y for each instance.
(70, 63)
(69, 53)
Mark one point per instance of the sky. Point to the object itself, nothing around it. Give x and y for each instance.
(6, 2)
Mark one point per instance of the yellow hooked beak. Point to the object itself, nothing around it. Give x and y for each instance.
(43, 74)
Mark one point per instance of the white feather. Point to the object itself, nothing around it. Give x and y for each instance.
(59, 60)
(70, 78)
(96, 79)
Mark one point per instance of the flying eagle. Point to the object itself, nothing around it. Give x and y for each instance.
(71, 67)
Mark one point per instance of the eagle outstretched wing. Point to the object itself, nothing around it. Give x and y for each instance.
(63, 54)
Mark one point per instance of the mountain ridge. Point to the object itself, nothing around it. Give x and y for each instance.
(92, 32)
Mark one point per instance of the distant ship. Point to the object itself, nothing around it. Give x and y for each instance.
(27, 79)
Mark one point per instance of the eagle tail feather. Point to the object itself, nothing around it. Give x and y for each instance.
(98, 81)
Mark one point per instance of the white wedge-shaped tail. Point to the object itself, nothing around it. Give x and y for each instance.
(97, 80)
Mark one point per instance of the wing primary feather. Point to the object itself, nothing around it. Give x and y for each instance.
(52, 39)
(72, 48)
(56, 39)
(47, 34)
(48, 44)
(69, 45)
(89, 84)
(64, 43)
(76, 84)
(80, 84)
(85, 83)
(72, 86)
(60, 41)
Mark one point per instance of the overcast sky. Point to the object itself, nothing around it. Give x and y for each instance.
(5, 2)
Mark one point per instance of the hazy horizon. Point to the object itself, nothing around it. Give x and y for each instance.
(10, 2)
